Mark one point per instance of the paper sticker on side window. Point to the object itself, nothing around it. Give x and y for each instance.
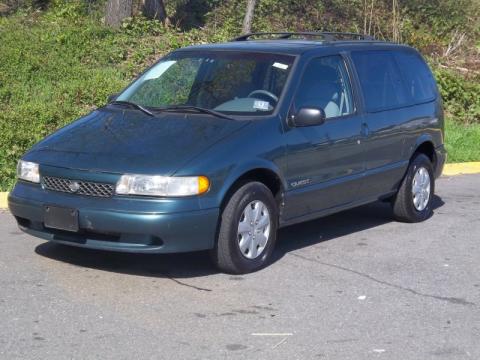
(261, 105)
(280, 65)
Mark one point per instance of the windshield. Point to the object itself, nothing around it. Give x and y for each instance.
(229, 82)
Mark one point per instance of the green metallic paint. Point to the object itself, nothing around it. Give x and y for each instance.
(342, 163)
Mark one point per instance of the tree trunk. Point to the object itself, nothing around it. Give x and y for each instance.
(248, 19)
(117, 10)
(155, 9)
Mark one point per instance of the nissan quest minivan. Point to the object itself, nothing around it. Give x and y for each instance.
(215, 147)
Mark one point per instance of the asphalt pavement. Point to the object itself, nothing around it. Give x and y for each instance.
(355, 285)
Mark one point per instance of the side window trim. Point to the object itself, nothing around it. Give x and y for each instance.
(348, 73)
(357, 96)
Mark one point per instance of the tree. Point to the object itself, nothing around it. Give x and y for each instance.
(117, 10)
(155, 9)
(248, 19)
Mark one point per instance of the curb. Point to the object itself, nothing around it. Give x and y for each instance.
(3, 200)
(448, 170)
(461, 168)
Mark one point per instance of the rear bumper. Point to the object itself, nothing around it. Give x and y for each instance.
(441, 159)
(125, 225)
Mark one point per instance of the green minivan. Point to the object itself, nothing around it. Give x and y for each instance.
(215, 147)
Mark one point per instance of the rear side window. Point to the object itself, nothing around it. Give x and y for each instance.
(380, 80)
(418, 78)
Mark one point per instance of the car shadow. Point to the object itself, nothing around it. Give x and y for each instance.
(197, 264)
(337, 225)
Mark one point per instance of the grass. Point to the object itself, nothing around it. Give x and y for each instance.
(462, 141)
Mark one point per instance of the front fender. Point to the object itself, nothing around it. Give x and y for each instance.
(259, 146)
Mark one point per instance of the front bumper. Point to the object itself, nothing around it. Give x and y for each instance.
(119, 223)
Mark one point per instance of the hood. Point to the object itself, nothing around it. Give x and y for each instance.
(128, 141)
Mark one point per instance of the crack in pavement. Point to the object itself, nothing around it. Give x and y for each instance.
(187, 285)
(166, 275)
(452, 300)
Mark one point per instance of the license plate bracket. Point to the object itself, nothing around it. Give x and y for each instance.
(61, 218)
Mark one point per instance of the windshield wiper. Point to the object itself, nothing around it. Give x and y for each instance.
(133, 105)
(196, 108)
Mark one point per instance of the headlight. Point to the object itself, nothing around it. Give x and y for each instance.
(28, 171)
(162, 185)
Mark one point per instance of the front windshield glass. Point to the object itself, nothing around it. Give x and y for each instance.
(229, 82)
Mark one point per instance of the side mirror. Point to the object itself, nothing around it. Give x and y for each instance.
(112, 97)
(308, 117)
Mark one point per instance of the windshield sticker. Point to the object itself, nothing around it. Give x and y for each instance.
(280, 65)
(261, 105)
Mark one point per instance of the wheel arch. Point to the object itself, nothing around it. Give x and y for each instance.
(268, 174)
(425, 145)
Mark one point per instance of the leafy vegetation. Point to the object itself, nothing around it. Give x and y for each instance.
(58, 60)
(461, 96)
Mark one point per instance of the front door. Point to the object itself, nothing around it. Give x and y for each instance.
(324, 162)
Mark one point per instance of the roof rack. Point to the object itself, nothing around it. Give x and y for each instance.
(326, 35)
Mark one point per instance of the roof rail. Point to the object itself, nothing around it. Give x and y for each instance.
(326, 35)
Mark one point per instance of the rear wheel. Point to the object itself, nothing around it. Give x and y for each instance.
(413, 202)
(248, 230)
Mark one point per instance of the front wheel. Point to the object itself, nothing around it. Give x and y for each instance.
(413, 202)
(248, 230)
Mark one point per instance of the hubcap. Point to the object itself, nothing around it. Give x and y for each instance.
(421, 189)
(253, 229)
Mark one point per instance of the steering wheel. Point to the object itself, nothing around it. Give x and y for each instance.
(265, 93)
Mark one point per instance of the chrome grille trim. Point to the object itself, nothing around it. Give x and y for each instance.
(86, 188)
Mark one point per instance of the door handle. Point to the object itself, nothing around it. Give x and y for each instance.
(365, 131)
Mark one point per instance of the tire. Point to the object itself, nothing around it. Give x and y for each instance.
(234, 252)
(406, 207)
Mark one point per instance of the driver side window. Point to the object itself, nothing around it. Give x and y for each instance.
(325, 85)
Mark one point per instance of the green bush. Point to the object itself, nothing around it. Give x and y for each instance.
(461, 96)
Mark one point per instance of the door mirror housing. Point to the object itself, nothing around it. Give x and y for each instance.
(112, 97)
(308, 116)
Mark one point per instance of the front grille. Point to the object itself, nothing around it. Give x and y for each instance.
(78, 187)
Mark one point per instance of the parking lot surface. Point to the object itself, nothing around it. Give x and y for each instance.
(355, 285)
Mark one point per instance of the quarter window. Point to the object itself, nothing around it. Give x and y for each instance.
(418, 78)
(325, 85)
(380, 80)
